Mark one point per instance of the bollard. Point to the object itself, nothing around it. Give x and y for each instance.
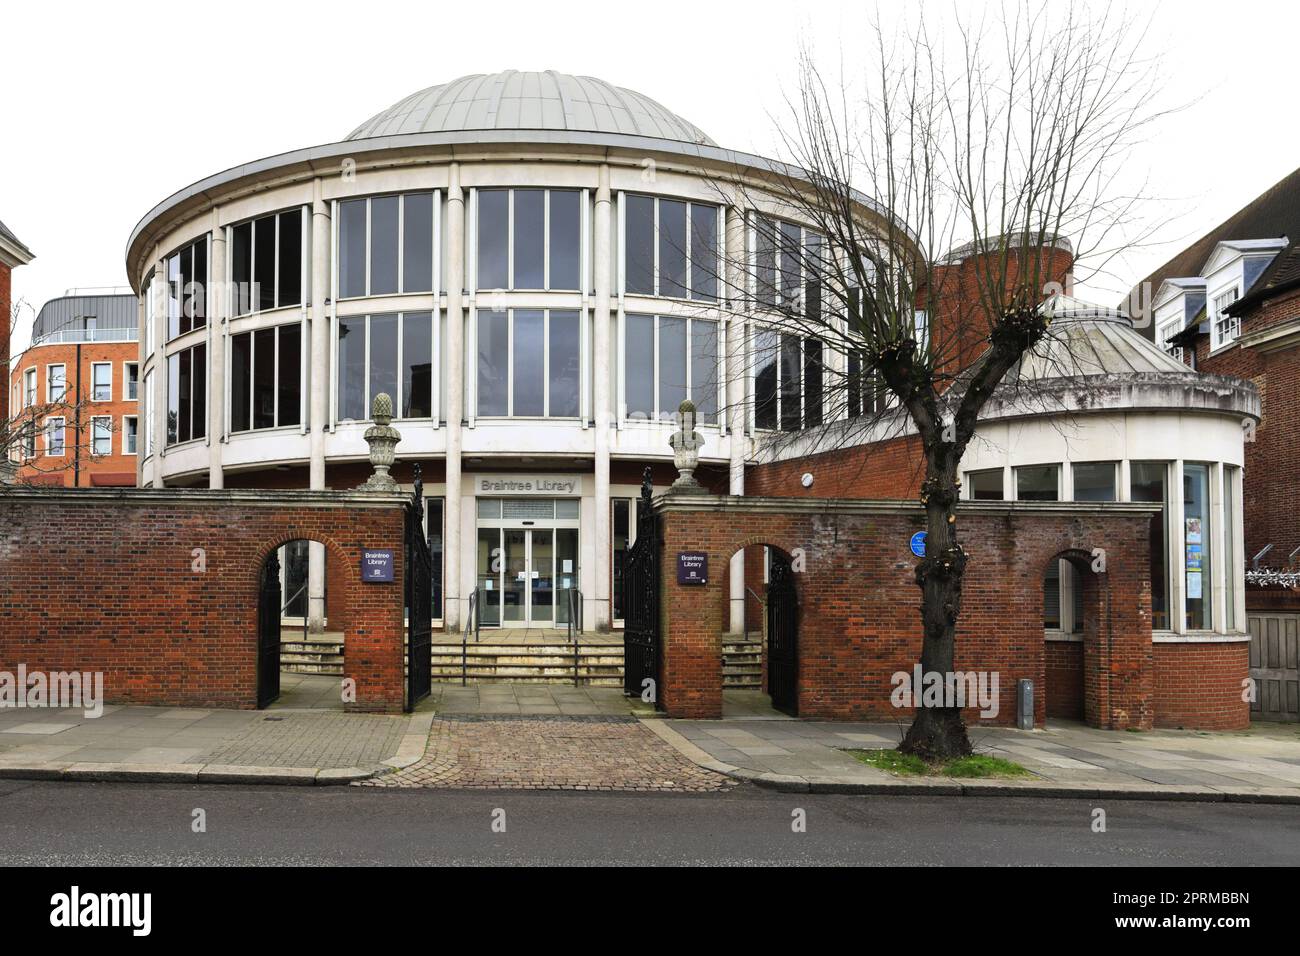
(1025, 704)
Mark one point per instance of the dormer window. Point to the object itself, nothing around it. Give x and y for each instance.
(1224, 328)
(1166, 332)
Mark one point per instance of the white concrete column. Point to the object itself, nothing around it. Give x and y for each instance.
(455, 284)
(216, 300)
(159, 424)
(736, 407)
(318, 400)
(600, 361)
(143, 424)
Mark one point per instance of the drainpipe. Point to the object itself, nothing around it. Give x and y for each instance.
(76, 430)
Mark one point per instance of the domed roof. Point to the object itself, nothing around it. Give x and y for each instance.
(516, 100)
(1088, 339)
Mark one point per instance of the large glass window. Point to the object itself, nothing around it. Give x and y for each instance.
(1094, 480)
(266, 378)
(1147, 482)
(187, 288)
(1231, 564)
(386, 245)
(669, 359)
(130, 434)
(130, 381)
(1037, 483)
(985, 485)
(56, 384)
(266, 262)
(29, 386)
(390, 353)
(670, 248)
(55, 436)
(149, 407)
(101, 435)
(529, 238)
(1196, 545)
(187, 383)
(529, 363)
(101, 382)
(788, 373)
(787, 264)
(1225, 327)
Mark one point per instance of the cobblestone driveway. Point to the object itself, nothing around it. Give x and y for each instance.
(550, 753)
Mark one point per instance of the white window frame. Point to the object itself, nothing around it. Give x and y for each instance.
(50, 397)
(94, 437)
(187, 248)
(126, 382)
(804, 232)
(1164, 334)
(1060, 472)
(304, 263)
(399, 400)
(1224, 330)
(125, 450)
(510, 365)
(303, 347)
(150, 411)
(29, 387)
(760, 328)
(50, 428)
(108, 388)
(547, 286)
(719, 239)
(670, 415)
(434, 246)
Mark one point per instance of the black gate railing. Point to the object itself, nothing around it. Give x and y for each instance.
(782, 637)
(419, 599)
(641, 601)
(268, 631)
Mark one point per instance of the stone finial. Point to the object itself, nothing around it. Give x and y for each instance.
(382, 439)
(686, 443)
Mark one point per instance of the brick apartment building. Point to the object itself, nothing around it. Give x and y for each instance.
(74, 391)
(1229, 304)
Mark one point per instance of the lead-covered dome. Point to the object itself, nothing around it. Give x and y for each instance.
(516, 100)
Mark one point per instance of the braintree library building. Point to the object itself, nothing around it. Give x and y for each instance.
(538, 269)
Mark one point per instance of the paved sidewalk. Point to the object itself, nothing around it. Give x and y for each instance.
(1262, 764)
(207, 746)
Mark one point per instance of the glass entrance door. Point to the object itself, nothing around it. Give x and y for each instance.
(524, 573)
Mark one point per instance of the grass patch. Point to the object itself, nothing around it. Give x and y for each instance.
(909, 765)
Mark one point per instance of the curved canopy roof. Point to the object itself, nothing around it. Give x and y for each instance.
(530, 101)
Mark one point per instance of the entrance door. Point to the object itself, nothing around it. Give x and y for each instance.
(782, 637)
(518, 572)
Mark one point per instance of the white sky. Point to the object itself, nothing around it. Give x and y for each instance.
(111, 107)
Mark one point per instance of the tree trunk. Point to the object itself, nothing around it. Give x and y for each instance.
(939, 732)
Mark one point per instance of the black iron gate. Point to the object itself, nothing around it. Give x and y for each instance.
(641, 601)
(268, 631)
(419, 599)
(782, 636)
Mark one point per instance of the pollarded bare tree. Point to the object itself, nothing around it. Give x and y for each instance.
(1006, 149)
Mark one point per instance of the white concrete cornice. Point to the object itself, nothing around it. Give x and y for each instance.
(1275, 338)
(746, 504)
(14, 254)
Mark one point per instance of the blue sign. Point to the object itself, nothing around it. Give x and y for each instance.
(377, 566)
(918, 544)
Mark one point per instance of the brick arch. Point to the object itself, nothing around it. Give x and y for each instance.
(1061, 690)
(340, 574)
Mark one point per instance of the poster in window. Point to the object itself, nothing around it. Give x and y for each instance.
(1193, 585)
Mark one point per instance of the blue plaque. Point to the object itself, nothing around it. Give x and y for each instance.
(918, 544)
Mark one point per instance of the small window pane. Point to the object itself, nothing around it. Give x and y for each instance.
(1094, 481)
(530, 372)
(812, 382)
(640, 361)
(264, 262)
(1196, 545)
(383, 245)
(182, 386)
(352, 248)
(101, 436)
(199, 393)
(101, 382)
(417, 243)
(704, 369)
(704, 251)
(241, 267)
(489, 507)
(765, 261)
(672, 248)
(383, 358)
(175, 320)
(241, 373)
(566, 507)
(1036, 483)
(1147, 483)
(672, 366)
(985, 485)
(640, 254)
(765, 358)
(529, 238)
(290, 383)
(264, 378)
(566, 238)
(417, 365)
(196, 288)
(493, 362)
(493, 230)
(290, 278)
(791, 416)
(791, 263)
(352, 369)
(564, 364)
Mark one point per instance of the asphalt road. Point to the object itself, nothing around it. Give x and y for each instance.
(114, 824)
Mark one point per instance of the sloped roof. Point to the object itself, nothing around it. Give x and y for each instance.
(515, 100)
(1088, 339)
(20, 251)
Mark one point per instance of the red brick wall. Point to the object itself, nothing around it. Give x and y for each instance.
(1199, 686)
(887, 470)
(113, 589)
(6, 315)
(859, 604)
(1063, 679)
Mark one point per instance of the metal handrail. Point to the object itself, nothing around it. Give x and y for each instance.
(305, 614)
(574, 599)
(471, 616)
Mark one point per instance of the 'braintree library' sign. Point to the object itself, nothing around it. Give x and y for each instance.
(549, 485)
